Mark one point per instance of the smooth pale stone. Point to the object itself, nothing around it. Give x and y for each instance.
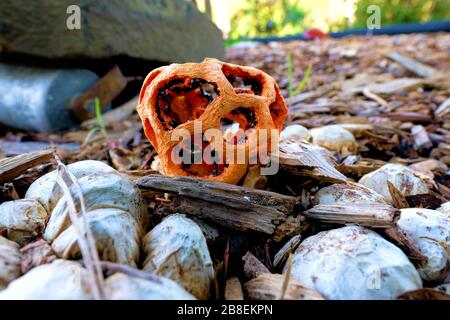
(341, 193)
(403, 179)
(334, 138)
(9, 261)
(353, 263)
(123, 287)
(176, 248)
(59, 280)
(296, 132)
(115, 211)
(430, 231)
(22, 219)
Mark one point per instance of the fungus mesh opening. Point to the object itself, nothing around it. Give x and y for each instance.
(182, 100)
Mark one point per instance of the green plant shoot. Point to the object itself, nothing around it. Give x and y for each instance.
(100, 126)
(301, 86)
(99, 116)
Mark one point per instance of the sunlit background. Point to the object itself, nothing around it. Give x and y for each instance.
(250, 18)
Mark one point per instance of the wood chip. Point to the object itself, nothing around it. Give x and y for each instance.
(231, 206)
(14, 148)
(369, 94)
(366, 214)
(424, 294)
(421, 138)
(429, 200)
(288, 248)
(35, 254)
(233, 289)
(398, 199)
(395, 86)
(305, 159)
(443, 109)
(401, 239)
(268, 287)
(406, 116)
(414, 66)
(310, 95)
(11, 168)
(105, 89)
(253, 267)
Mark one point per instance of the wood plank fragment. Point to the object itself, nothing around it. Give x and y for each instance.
(443, 109)
(365, 214)
(288, 248)
(233, 289)
(252, 266)
(15, 148)
(269, 286)
(13, 167)
(422, 140)
(105, 89)
(306, 159)
(406, 116)
(398, 199)
(395, 86)
(424, 294)
(305, 96)
(357, 169)
(231, 206)
(414, 66)
(36, 254)
(369, 94)
(402, 239)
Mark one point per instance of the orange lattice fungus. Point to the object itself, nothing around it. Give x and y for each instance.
(184, 108)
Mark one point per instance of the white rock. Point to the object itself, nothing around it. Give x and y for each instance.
(156, 165)
(403, 179)
(124, 287)
(9, 261)
(430, 231)
(99, 191)
(296, 132)
(46, 190)
(444, 208)
(176, 248)
(334, 138)
(116, 235)
(115, 209)
(68, 280)
(341, 193)
(445, 288)
(61, 279)
(22, 219)
(353, 263)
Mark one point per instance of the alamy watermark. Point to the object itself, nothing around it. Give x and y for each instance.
(73, 20)
(374, 19)
(213, 146)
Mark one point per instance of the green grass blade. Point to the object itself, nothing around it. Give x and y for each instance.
(99, 115)
(301, 86)
(289, 62)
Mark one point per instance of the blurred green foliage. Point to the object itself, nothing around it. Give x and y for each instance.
(267, 17)
(403, 11)
(282, 17)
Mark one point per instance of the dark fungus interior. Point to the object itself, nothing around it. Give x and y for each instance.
(182, 100)
(242, 82)
(198, 160)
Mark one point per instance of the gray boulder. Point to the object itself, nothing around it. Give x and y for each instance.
(169, 30)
